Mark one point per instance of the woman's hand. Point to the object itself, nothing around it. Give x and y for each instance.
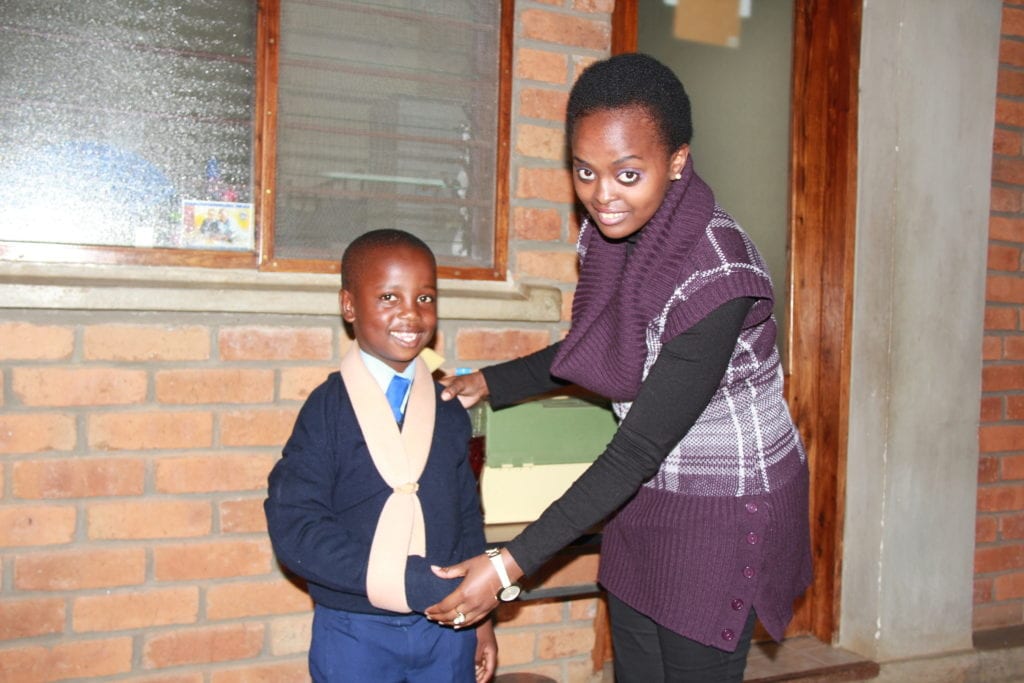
(469, 388)
(486, 651)
(476, 596)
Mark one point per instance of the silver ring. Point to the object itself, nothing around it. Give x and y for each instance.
(459, 619)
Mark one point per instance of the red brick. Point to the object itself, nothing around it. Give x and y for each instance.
(1002, 378)
(998, 558)
(1009, 170)
(36, 525)
(1000, 318)
(483, 344)
(551, 184)
(565, 642)
(203, 645)
(209, 473)
(1012, 22)
(982, 591)
(78, 659)
(78, 478)
(242, 516)
(147, 430)
(78, 386)
(1012, 467)
(35, 432)
(136, 609)
(986, 529)
(1001, 438)
(537, 224)
(537, 103)
(520, 614)
(1008, 586)
(565, 29)
(542, 142)
(1007, 142)
(80, 569)
(221, 559)
(541, 65)
(1006, 199)
(1011, 527)
(146, 343)
(1000, 498)
(297, 383)
(236, 600)
(604, 6)
(567, 298)
(276, 343)
(290, 635)
(1006, 229)
(996, 615)
(28, 618)
(552, 265)
(149, 519)
(1011, 52)
(215, 386)
(196, 677)
(516, 648)
(1013, 347)
(25, 341)
(1005, 289)
(1003, 258)
(257, 427)
(1015, 407)
(1009, 113)
(992, 348)
(286, 672)
(988, 469)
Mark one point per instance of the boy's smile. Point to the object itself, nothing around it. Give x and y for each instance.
(392, 304)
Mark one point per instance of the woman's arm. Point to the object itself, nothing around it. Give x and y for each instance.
(676, 391)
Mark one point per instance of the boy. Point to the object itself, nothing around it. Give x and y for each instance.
(367, 497)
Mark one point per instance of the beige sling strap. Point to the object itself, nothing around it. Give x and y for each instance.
(400, 457)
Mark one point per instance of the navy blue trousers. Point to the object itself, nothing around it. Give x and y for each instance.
(402, 648)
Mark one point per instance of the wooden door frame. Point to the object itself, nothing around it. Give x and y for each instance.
(822, 222)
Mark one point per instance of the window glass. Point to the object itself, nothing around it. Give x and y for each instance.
(388, 118)
(127, 122)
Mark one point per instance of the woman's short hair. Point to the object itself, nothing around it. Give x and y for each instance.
(634, 80)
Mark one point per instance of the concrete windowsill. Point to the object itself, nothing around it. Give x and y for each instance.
(209, 290)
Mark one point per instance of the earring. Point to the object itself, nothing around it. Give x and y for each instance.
(677, 176)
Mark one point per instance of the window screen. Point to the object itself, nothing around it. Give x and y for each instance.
(387, 119)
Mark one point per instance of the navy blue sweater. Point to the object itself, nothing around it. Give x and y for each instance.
(325, 497)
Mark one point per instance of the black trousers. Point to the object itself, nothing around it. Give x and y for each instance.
(648, 653)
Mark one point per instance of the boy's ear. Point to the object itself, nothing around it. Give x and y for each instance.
(348, 311)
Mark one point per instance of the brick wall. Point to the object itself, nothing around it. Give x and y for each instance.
(999, 555)
(134, 449)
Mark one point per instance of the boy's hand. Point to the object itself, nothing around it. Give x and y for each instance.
(469, 388)
(486, 651)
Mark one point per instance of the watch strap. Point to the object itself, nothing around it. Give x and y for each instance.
(499, 566)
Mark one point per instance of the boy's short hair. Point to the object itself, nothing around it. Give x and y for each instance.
(634, 80)
(357, 250)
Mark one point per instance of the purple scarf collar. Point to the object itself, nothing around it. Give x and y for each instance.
(617, 297)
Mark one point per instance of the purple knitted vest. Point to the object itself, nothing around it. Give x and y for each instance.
(619, 299)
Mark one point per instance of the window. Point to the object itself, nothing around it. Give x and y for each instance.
(214, 133)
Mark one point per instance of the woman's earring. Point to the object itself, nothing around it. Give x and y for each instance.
(677, 176)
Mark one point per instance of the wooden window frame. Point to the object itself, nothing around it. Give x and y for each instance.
(264, 153)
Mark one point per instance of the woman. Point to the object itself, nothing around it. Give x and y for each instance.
(672, 320)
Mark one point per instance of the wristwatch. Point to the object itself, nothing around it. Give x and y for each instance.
(509, 591)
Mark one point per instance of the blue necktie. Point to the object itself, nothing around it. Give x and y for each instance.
(396, 394)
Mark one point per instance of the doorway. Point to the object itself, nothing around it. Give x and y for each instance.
(820, 220)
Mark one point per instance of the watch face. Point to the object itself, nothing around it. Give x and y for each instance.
(509, 593)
